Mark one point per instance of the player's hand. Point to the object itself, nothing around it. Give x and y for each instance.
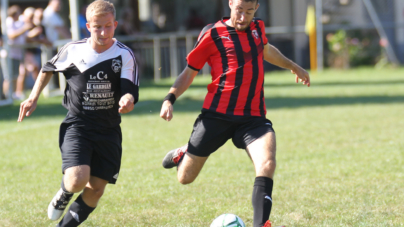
(126, 104)
(301, 75)
(26, 109)
(167, 111)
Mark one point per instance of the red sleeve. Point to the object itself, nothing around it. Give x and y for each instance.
(262, 27)
(203, 49)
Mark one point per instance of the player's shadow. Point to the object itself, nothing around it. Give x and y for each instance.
(339, 83)
(166, 86)
(185, 104)
(195, 105)
(42, 110)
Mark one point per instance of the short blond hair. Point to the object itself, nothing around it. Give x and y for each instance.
(99, 7)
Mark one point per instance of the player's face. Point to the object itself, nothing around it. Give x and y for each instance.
(102, 28)
(242, 13)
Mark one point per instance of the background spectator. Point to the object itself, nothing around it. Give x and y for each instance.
(32, 58)
(17, 33)
(84, 33)
(125, 25)
(54, 25)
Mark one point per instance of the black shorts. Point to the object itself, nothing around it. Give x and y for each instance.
(99, 149)
(212, 130)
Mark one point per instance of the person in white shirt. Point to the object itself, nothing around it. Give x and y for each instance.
(102, 83)
(54, 25)
(17, 31)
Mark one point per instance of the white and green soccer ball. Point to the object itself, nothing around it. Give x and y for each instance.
(227, 220)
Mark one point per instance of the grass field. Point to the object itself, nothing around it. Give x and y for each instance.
(340, 158)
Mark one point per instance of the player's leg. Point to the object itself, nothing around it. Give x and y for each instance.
(190, 167)
(209, 133)
(262, 152)
(76, 160)
(73, 181)
(85, 203)
(257, 136)
(76, 178)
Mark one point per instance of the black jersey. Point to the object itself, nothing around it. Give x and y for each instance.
(95, 81)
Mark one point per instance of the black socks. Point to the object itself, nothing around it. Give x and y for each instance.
(77, 214)
(262, 200)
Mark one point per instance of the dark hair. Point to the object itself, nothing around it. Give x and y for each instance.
(14, 10)
(251, 1)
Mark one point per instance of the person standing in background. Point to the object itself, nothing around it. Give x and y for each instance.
(54, 25)
(32, 56)
(17, 31)
(84, 33)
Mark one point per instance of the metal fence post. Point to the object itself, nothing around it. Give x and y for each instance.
(379, 27)
(319, 27)
(188, 43)
(173, 56)
(157, 59)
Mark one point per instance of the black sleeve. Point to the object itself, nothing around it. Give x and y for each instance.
(128, 86)
(48, 67)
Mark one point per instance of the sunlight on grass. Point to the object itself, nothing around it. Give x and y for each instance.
(339, 158)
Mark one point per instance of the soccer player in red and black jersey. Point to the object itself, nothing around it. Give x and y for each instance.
(234, 107)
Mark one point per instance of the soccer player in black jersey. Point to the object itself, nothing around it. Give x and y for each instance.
(102, 83)
(234, 106)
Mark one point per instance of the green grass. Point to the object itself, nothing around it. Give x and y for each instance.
(340, 158)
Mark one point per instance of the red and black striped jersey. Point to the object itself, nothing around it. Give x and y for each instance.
(237, 67)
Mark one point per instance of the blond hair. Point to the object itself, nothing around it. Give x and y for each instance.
(99, 7)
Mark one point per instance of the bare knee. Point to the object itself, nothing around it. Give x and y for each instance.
(75, 184)
(266, 168)
(94, 193)
(76, 178)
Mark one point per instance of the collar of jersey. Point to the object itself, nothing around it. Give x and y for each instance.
(89, 44)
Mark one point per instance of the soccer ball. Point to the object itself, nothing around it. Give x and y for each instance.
(227, 220)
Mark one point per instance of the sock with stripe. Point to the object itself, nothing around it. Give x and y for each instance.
(78, 212)
(262, 200)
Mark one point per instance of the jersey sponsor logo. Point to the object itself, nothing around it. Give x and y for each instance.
(255, 33)
(99, 86)
(225, 37)
(100, 76)
(85, 96)
(116, 65)
(101, 95)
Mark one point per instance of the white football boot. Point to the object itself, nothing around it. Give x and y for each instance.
(58, 204)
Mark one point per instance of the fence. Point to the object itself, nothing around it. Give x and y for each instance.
(163, 55)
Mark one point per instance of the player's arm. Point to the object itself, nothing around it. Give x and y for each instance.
(181, 84)
(29, 105)
(275, 57)
(196, 59)
(57, 64)
(14, 33)
(129, 84)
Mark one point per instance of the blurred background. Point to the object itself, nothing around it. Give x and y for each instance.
(349, 33)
